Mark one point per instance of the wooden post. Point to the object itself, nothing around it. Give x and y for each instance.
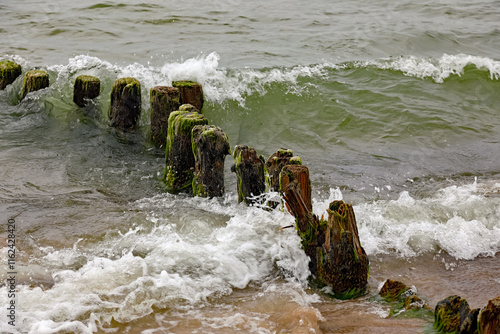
(249, 169)
(34, 80)
(9, 71)
(163, 101)
(86, 88)
(274, 165)
(210, 147)
(190, 93)
(336, 256)
(489, 319)
(125, 107)
(453, 314)
(179, 157)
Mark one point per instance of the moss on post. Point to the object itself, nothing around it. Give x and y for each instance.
(9, 71)
(86, 88)
(163, 101)
(179, 157)
(190, 92)
(125, 107)
(249, 169)
(210, 147)
(34, 80)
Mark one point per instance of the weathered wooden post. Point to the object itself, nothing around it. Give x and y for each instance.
(274, 165)
(336, 256)
(489, 318)
(163, 101)
(86, 88)
(299, 175)
(9, 71)
(190, 93)
(125, 107)
(453, 314)
(249, 169)
(34, 80)
(210, 147)
(179, 157)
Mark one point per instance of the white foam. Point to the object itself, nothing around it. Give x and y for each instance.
(458, 219)
(178, 266)
(437, 69)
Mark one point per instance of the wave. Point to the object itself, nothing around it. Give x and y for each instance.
(225, 84)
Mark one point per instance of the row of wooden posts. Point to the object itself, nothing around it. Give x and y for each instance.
(194, 163)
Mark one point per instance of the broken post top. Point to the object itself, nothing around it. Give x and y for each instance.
(274, 165)
(86, 87)
(123, 84)
(191, 92)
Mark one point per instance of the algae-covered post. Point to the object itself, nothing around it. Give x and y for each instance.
(190, 93)
(125, 107)
(249, 169)
(163, 101)
(87, 87)
(34, 80)
(210, 147)
(453, 314)
(179, 157)
(336, 256)
(9, 71)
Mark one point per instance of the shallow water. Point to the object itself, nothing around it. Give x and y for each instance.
(393, 107)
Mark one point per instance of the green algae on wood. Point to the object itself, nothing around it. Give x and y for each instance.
(191, 92)
(125, 107)
(249, 169)
(179, 156)
(210, 147)
(163, 100)
(34, 80)
(87, 87)
(9, 72)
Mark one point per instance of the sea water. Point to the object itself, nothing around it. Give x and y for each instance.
(392, 106)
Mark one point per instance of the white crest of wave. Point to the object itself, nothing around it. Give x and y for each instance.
(461, 220)
(219, 84)
(437, 69)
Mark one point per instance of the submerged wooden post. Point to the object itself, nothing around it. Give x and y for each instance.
(34, 80)
(125, 107)
(190, 93)
(86, 88)
(9, 71)
(249, 169)
(210, 147)
(163, 101)
(179, 157)
(336, 256)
